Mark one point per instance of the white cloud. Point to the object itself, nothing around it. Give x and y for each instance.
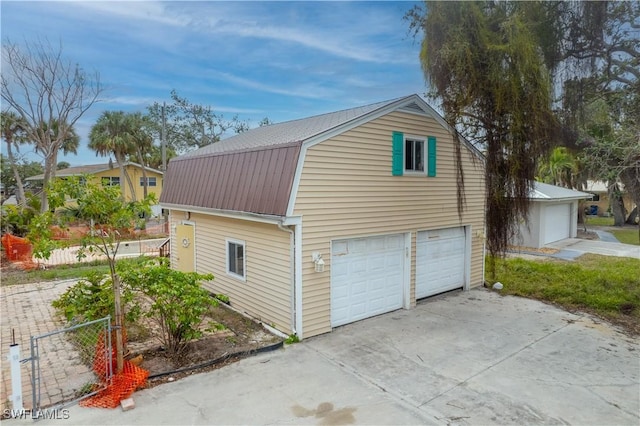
(130, 100)
(150, 11)
(312, 91)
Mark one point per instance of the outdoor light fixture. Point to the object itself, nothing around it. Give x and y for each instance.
(317, 260)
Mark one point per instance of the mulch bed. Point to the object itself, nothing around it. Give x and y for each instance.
(241, 337)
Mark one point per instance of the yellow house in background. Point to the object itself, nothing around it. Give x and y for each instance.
(109, 174)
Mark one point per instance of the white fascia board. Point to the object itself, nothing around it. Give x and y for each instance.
(254, 217)
(292, 221)
(436, 116)
(314, 140)
(296, 180)
(556, 200)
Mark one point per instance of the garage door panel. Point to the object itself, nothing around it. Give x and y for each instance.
(557, 222)
(357, 266)
(376, 263)
(440, 261)
(374, 277)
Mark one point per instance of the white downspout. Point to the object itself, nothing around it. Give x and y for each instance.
(292, 260)
(296, 262)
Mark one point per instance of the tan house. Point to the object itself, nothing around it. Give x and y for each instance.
(601, 201)
(109, 174)
(315, 223)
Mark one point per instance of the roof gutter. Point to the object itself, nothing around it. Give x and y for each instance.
(554, 200)
(233, 214)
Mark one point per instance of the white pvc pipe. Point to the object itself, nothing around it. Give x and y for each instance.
(16, 377)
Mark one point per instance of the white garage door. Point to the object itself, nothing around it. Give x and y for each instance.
(557, 222)
(367, 276)
(440, 261)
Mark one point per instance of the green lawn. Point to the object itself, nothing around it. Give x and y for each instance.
(598, 221)
(627, 236)
(62, 272)
(607, 286)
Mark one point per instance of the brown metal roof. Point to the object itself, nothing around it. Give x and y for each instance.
(253, 171)
(254, 181)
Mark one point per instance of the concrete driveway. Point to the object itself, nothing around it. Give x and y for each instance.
(463, 358)
(573, 247)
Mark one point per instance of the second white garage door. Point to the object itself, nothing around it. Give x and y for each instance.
(440, 261)
(367, 276)
(557, 222)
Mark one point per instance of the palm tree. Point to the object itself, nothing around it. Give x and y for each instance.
(13, 133)
(142, 142)
(112, 134)
(70, 142)
(559, 169)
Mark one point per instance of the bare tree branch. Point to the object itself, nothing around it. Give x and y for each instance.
(44, 89)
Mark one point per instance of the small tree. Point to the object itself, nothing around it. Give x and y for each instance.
(177, 300)
(108, 214)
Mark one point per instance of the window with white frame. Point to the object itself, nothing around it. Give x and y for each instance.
(151, 181)
(414, 155)
(236, 263)
(111, 181)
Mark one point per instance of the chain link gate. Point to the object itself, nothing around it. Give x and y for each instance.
(62, 364)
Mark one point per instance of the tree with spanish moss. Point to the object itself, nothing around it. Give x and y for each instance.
(484, 63)
(516, 77)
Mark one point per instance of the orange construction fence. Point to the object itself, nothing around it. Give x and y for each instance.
(122, 384)
(16, 248)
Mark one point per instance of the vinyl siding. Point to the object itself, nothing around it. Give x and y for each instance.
(266, 293)
(347, 190)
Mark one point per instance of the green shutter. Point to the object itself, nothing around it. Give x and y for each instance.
(431, 156)
(397, 159)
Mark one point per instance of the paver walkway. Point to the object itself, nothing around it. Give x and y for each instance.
(26, 310)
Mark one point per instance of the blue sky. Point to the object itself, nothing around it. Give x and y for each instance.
(282, 60)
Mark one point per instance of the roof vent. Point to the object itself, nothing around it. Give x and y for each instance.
(414, 108)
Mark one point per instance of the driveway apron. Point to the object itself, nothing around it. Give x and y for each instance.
(480, 358)
(462, 358)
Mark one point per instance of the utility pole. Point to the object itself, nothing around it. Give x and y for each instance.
(163, 141)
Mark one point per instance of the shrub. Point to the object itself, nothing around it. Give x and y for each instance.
(16, 219)
(92, 298)
(177, 302)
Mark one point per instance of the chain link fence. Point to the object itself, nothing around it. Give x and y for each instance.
(63, 364)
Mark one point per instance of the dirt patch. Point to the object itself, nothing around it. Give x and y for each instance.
(587, 235)
(542, 250)
(239, 337)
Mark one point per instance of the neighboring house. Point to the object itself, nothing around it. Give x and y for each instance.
(553, 216)
(315, 223)
(601, 199)
(10, 201)
(109, 174)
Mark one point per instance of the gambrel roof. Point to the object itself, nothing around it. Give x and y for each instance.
(254, 171)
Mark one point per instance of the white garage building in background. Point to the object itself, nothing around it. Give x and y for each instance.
(553, 216)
